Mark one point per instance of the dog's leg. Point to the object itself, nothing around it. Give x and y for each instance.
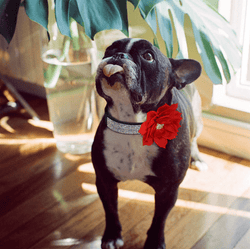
(197, 162)
(108, 193)
(165, 199)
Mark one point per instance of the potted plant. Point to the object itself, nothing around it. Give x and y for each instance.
(220, 54)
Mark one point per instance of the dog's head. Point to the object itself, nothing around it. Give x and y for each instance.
(139, 70)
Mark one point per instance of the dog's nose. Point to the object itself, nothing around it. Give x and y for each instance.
(120, 55)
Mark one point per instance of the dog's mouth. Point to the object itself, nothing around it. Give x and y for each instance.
(114, 73)
(111, 69)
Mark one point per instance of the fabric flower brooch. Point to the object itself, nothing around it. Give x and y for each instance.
(161, 125)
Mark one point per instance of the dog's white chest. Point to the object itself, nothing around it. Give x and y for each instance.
(126, 157)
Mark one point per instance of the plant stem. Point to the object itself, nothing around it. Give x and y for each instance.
(74, 34)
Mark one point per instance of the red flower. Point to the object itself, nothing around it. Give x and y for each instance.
(161, 126)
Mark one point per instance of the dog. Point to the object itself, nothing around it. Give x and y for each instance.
(136, 79)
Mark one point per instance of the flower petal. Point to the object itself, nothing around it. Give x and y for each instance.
(147, 140)
(143, 128)
(166, 115)
(161, 142)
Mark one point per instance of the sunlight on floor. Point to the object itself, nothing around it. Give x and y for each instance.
(41, 124)
(9, 141)
(4, 124)
(87, 168)
(66, 205)
(180, 203)
(201, 181)
(78, 244)
(66, 242)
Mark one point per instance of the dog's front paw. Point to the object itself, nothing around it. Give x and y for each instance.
(199, 165)
(112, 244)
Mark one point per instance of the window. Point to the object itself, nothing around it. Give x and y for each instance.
(236, 94)
(227, 123)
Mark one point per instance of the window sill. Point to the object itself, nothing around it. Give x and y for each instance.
(226, 135)
(220, 98)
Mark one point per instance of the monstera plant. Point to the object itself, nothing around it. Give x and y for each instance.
(215, 40)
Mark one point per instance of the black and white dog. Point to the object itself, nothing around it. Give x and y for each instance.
(134, 78)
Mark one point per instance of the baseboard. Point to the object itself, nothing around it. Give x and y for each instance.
(226, 135)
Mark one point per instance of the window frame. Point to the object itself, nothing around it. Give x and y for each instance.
(236, 94)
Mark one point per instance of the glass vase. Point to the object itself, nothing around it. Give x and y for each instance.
(69, 78)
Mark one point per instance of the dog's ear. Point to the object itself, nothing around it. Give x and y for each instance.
(185, 72)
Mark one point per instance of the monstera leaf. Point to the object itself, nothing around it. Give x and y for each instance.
(213, 34)
(215, 39)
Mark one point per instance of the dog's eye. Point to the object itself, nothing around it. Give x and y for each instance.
(148, 56)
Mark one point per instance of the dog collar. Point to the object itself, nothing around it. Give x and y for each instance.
(122, 127)
(161, 125)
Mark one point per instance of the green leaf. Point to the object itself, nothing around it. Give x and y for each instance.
(101, 15)
(156, 43)
(178, 16)
(64, 10)
(224, 65)
(8, 17)
(62, 16)
(165, 27)
(134, 2)
(75, 35)
(218, 33)
(74, 12)
(219, 54)
(207, 56)
(213, 35)
(147, 5)
(37, 11)
(151, 19)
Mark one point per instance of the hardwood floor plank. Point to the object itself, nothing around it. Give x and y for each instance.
(174, 217)
(88, 225)
(136, 235)
(69, 199)
(52, 195)
(43, 175)
(221, 235)
(199, 219)
(244, 242)
(78, 226)
(130, 209)
(8, 155)
(187, 192)
(44, 223)
(19, 139)
(48, 199)
(25, 169)
(18, 163)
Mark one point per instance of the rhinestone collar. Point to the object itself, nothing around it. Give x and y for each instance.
(121, 127)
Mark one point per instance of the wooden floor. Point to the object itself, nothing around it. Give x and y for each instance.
(48, 199)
